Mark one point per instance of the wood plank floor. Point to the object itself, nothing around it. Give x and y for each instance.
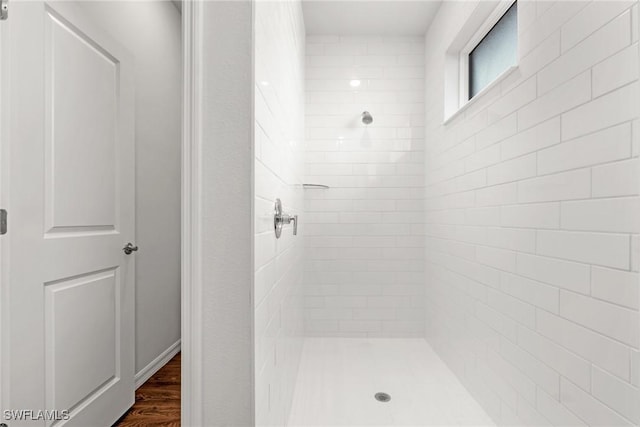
(157, 400)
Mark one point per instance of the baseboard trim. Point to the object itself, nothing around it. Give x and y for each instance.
(157, 363)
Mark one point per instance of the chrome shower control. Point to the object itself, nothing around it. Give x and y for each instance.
(280, 218)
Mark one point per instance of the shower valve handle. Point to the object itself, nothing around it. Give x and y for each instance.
(288, 219)
(280, 218)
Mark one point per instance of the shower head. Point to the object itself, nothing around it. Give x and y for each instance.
(367, 119)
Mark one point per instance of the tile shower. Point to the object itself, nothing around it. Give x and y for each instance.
(364, 239)
(497, 251)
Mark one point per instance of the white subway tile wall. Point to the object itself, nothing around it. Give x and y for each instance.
(279, 162)
(532, 219)
(364, 254)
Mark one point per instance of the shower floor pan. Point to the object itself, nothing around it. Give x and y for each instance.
(340, 377)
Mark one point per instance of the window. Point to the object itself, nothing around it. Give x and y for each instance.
(495, 53)
(484, 51)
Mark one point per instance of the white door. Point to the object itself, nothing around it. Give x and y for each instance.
(70, 202)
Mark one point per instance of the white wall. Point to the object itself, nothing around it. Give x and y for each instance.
(248, 144)
(533, 218)
(279, 149)
(158, 86)
(225, 155)
(364, 236)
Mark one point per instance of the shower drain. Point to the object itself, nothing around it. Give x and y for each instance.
(382, 397)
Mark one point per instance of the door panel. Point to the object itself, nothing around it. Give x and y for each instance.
(81, 90)
(71, 198)
(81, 316)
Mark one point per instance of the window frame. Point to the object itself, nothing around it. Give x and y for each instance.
(475, 40)
(471, 33)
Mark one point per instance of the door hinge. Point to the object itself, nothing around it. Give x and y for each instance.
(4, 10)
(3, 221)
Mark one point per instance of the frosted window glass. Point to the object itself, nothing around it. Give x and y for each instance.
(495, 53)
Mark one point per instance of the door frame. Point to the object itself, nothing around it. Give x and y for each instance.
(211, 28)
(191, 276)
(4, 240)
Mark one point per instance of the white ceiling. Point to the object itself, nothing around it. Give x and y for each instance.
(369, 17)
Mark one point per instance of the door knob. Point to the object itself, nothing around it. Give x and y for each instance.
(130, 248)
